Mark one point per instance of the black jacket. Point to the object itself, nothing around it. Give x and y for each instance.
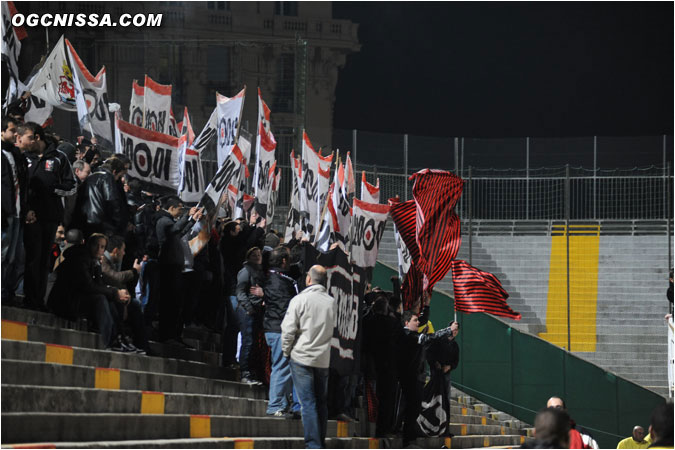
(77, 276)
(50, 178)
(445, 352)
(99, 204)
(234, 250)
(412, 350)
(8, 189)
(279, 290)
(169, 234)
(249, 276)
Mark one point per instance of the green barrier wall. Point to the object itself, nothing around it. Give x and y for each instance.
(517, 373)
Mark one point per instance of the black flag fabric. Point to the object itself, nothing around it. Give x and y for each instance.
(479, 291)
(435, 413)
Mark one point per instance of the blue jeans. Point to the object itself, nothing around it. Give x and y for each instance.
(246, 329)
(281, 384)
(311, 385)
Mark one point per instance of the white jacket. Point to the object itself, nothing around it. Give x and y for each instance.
(307, 328)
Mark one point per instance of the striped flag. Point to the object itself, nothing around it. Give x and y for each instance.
(478, 291)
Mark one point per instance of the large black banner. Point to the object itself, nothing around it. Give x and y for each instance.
(346, 284)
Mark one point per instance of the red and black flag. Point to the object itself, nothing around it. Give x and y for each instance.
(430, 229)
(478, 291)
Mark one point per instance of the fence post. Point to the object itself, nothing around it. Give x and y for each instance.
(456, 156)
(470, 217)
(461, 161)
(405, 163)
(595, 176)
(567, 243)
(668, 219)
(527, 178)
(354, 147)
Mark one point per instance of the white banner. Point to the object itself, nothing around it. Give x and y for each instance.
(293, 218)
(229, 117)
(671, 357)
(369, 193)
(136, 104)
(11, 48)
(92, 104)
(156, 105)
(368, 224)
(38, 111)
(186, 127)
(54, 82)
(351, 183)
(154, 156)
(314, 186)
(265, 144)
(212, 199)
(403, 253)
(273, 196)
(173, 129)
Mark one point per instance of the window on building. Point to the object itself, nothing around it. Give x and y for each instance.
(286, 8)
(221, 6)
(284, 101)
(218, 64)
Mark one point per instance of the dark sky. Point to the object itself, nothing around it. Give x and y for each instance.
(509, 69)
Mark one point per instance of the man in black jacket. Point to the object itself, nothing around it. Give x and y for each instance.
(14, 195)
(173, 292)
(99, 205)
(50, 179)
(278, 292)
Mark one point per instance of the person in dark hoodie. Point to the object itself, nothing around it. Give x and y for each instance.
(171, 227)
(50, 178)
(80, 290)
(14, 195)
(99, 206)
(249, 296)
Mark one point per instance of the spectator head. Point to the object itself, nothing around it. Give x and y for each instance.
(173, 205)
(60, 234)
(116, 248)
(16, 112)
(9, 126)
(280, 258)
(232, 228)
(92, 155)
(556, 403)
(117, 167)
(272, 240)
(395, 304)
(552, 428)
(661, 425)
(122, 157)
(317, 276)
(638, 433)
(74, 236)
(28, 135)
(381, 304)
(96, 245)
(69, 150)
(82, 170)
(411, 321)
(254, 256)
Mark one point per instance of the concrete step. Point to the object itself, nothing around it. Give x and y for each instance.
(290, 442)
(606, 338)
(37, 351)
(47, 374)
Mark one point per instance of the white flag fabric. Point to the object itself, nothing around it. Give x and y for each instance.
(404, 257)
(91, 100)
(172, 129)
(38, 111)
(153, 155)
(11, 48)
(340, 209)
(186, 127)
(349, 173)
(54, 82)
(314, 187)
(200, 234)
(368, 223)
(273, 196)
(369, 193)
(265, 144)
(325, 235)
(293, 223)
(136, 104)
(156, 105)
(229, 117)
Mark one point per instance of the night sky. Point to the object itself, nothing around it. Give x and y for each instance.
(509, 69)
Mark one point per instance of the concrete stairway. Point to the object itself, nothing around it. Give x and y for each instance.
(61, 390)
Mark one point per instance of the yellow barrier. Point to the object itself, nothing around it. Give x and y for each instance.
(200, 426)
(152, 402)
(107, 378)
(17, 331)
(58, 354)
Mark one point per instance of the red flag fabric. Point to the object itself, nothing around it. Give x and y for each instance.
(478, 291)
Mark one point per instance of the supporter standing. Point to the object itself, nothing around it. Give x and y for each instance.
(50, 179)
(306, 333)
(444, 354)
(171, 227)
(82, 170)
(249, 296)
(14, 195)
(279, 289)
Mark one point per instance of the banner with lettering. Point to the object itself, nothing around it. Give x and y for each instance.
(91, 100)
(368, 223)
(346, 284)
(156, 105)
(54, 82)
(136, 104)
(153, 155)
(229, 118)
(11, 48)
(38, 111)
(212, 199)
(314, 186)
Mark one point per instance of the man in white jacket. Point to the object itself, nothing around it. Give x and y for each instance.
(306, 332)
